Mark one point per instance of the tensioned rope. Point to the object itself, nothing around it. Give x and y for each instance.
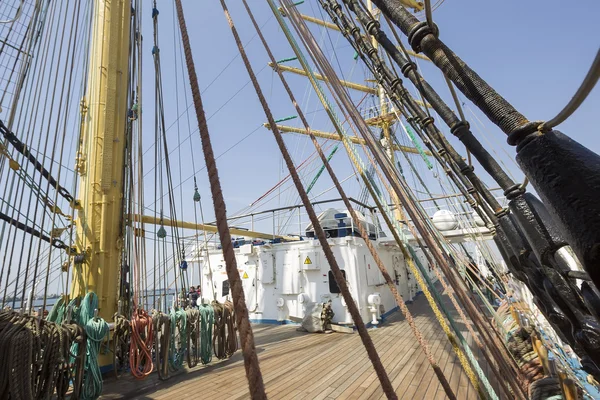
(161, 131)
(253, 373)
(405, 311)
(320, 233)
(386, 213)
(398, 186)
(399, 84)
(50, 93)
(10, 194)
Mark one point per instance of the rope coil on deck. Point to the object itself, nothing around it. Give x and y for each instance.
(140, 347)
(162, 340)
(207, 319)
(35, 356)
(224, 337)
(193, 336)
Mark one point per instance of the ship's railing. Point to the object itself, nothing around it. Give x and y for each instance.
(291, 221)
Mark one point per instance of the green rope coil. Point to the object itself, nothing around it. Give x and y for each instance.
(96, 329)
(178, 331)
(57, 312)
(207, 320)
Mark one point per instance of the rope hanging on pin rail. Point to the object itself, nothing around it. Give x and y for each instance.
(22, 148)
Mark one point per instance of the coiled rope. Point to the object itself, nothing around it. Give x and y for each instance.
(77, 361)
(96, 330)
(224, 337)
(140, 347)
(207, 320)
(178, 338)
(57, 312)
(546, 389)
(121, 341)
(193, 336)
(162, 331)
(34, 355)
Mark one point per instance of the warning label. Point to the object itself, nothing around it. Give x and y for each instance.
(307, 261)
(245, 276)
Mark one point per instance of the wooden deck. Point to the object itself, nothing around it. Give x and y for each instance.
(320, 366)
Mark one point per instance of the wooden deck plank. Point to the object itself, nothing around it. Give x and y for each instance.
(320, 366)
(401, 365)
(393, 340)
(426, 376)
(355, 363)
(362, 381)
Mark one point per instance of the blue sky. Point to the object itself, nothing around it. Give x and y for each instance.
(528, 51)
(534, 53)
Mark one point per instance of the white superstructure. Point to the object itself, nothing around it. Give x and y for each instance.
(281, 278)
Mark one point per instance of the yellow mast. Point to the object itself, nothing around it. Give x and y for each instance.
(100, 160)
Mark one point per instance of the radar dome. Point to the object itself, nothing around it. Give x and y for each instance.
(445, 220)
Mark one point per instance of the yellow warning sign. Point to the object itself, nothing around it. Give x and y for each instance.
(245, 276)
(307, 261)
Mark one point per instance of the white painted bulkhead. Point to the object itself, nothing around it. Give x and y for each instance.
(292, 274)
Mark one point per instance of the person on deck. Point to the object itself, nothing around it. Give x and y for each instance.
(193, 296)
(199, 293)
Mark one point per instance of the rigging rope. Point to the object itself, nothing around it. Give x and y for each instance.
(22, 148)
(422, 342)
(320, 233)
(399, 189)
(54, 241)
(162, 339)
(140, 347)
(193, 335)
(584, 90)
(253, 373)
(394, 228)
(224, 337)
(178, 345)
(207, 319)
